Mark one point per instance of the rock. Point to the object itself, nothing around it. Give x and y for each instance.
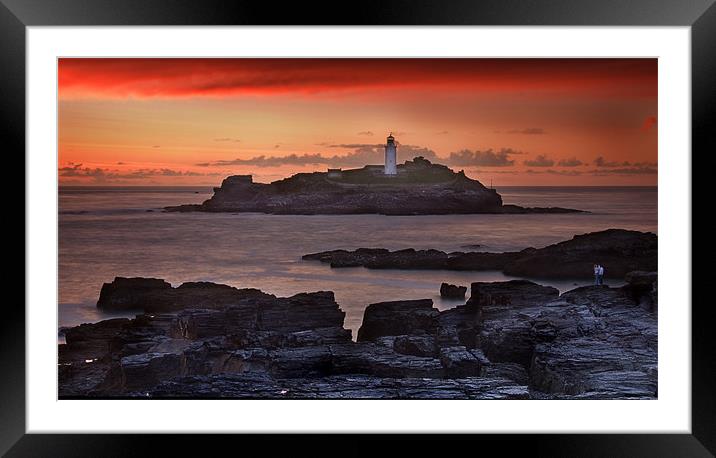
(511, 371)
(420, 188)
(459, 326)
(154, 295)
(642, 287)
(641, 279)
(148, 369)
(255, 386)
(511, 340)
(459, 362)
(452, 291)
(304, 311)
(129, 293)
(398, 318)
(88, 341)
(310, 361)
(580, 345)
(513, 293)
(619, 251)
(586, 366)
(423, 345)
(378, 360)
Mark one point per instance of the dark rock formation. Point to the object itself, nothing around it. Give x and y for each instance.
(398, 318)
(130, 293)
(420, 188)
(258, 386)
(513, 293)
(619, 251)
(452, 291)
(420, 345)
(153, 295)
(592, 342)
(642, 286)
(511, 340)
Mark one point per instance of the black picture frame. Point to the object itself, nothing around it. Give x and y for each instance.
(699, 15)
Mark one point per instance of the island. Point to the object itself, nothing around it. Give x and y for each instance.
(417, 187)
(509, 340)
(618, 250)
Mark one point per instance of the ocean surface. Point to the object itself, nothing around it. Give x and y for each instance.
(109, 232)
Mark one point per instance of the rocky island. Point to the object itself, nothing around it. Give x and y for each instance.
(510, 340)
(619, 250)
(418, 187)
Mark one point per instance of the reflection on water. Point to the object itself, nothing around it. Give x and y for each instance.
(105, 233)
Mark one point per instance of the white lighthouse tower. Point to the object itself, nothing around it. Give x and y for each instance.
(390, 156)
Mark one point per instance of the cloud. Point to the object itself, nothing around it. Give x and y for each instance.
(649, 122)
(601, 162)
(354, 145)
(363, 154)
(528, 131)
(641, 170)
(222, 77)
(555, 172)
(493, 171)
(597, 172)
(270, 161)
(103, 175)
(367, 133)
(540, 161)
(487, 158)
(442, 132)
(227, 139)
(570, 162)
(474, 160)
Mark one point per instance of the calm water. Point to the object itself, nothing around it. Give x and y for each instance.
(108, 232)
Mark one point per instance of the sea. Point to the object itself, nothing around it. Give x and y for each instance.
(107, 232)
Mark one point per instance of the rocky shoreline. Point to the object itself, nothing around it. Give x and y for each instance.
(420, 188)
(509, 340)
(620, 251)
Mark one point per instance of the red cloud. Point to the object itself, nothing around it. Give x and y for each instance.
(150, 77)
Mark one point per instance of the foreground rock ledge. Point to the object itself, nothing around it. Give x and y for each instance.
(619, 251)
(510, 340)
(420, 188)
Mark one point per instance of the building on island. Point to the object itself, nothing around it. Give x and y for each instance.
(334, 173)
(390, 156)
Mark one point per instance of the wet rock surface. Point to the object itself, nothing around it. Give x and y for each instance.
(510, 340)
(619, 251)
(419, 188)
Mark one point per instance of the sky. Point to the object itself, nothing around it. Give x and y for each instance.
(551, 122)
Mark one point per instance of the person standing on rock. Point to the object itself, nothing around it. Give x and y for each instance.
(601, 274)
(596, 274)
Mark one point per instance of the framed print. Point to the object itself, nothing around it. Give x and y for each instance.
(412, 219)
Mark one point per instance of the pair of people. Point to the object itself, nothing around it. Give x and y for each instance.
(598, 274)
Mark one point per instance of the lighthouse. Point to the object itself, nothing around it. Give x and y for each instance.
(390, 159)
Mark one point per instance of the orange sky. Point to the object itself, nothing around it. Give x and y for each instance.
(513, 121)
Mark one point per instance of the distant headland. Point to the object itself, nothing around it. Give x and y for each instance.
(416, 187)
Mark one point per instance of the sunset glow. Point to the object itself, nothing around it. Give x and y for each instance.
(513, 121)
